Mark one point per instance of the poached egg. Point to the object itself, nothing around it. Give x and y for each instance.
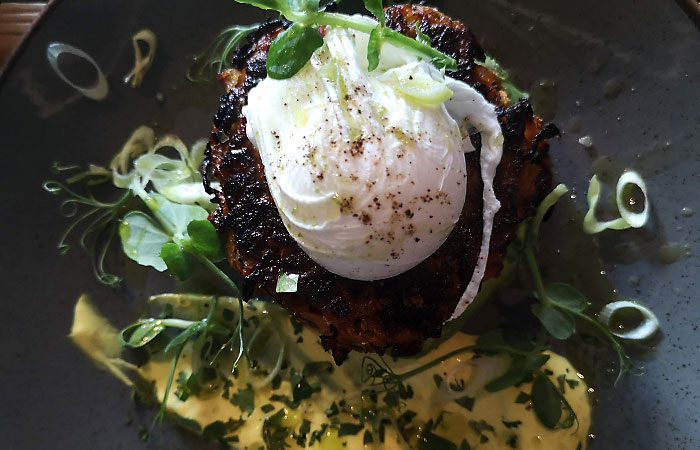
(367, 169)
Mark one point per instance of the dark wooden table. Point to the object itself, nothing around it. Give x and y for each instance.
(16, 19)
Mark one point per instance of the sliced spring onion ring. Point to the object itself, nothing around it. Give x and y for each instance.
(645, 330)
(98, 91)
(628, 219)
(141, 63)
(635, 220)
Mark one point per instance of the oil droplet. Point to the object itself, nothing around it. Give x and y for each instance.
(597, 65)
(545, 99)
(586, 141)
(603, 167)
(687, 211)
(575, 125)
(613, 87)
(671, 252)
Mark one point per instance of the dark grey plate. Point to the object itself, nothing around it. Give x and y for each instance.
(644, 54)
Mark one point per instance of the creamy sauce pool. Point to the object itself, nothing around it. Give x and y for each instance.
(495, 420)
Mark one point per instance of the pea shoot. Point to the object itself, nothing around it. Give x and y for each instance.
(293, 48)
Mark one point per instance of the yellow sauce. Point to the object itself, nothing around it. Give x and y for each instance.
(496, 420)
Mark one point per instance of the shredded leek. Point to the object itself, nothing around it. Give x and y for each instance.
(141, 63)
(141, 161)
(628, 219)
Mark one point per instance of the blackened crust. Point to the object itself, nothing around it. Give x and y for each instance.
(400, 312)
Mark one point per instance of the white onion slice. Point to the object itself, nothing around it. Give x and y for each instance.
(96, 92)
(645, 330)
(141, 63)
(468, 102)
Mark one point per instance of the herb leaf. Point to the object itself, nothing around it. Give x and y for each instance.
(522, 397)
(567, 295)
(520, 370)
(245, 399)
(377, 8)
(174, 217)
(274, 434)
(179, 263)
(142, 240)
(430, 441)
(466, 402)
(301, 389)
(560, 324)
(374, 48)
(546, 401)
(205, 239)
(291, 51)
(349, 429)
(140, 333)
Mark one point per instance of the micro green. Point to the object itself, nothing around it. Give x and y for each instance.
(168, 231)
(292, 49)
(562, 305)
(217, 56)
(97, 219)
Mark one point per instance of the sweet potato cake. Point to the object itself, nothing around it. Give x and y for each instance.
(397, 313)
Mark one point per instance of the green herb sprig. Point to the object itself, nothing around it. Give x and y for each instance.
(167, 235)
(141, 333)
(560, 304)
(217, 56)
(97, 219)
(178, 235)
(292, 49)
